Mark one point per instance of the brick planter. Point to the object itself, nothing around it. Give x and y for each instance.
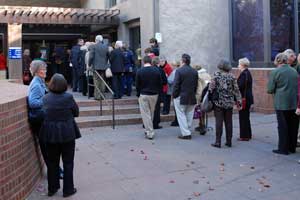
(20, 159)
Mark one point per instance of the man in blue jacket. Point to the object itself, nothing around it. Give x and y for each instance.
(78, 66)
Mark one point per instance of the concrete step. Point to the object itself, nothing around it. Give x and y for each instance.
(89, 103)
(107, 110)
(100, 121)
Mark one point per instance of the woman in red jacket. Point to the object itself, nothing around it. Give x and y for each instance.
(2, 66)
(166, 92)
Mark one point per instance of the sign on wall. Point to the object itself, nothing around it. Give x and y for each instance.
(158, 37)
(15, 53)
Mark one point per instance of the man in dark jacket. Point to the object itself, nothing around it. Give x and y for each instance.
(128, 74)
(117, 67)
(98, 60)
(156, 119)
(148, 86)
(78, 66)
(184, 94)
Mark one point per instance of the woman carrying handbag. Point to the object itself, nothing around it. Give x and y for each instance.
(245, 86)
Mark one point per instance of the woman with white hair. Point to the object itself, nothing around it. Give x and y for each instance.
(283, 85)
(36, 91)
(245, 86)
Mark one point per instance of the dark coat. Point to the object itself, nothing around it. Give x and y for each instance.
(185, 85)
(117, 61)
(59, 125)
(163, 76)
(245, 86)
(98, 57)
(76, 59)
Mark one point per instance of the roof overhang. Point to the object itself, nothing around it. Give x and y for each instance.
(55, 15)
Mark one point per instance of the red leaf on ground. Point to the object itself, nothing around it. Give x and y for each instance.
(267, 186)
(196, 194)
(142, 152)
(145, 158)
(211, 189)
(171, 181)
(132, 150)
(187, 165)
(192, 162)
(252, 167)
(222, 164)
(196, 182)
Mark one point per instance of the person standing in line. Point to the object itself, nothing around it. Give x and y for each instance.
(203, 80)
(129, 69)
(59, 131)
(171, 78)
(148, 86)
(78, 66)
(156, 119)
(224, 94)
(166, 97)
(184, 94)
(283, 85)
(245, 86)
(154, 46)
(98, 60)
(117, 62)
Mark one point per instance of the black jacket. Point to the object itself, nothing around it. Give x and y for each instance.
(148, 81)
(245, 86)
(185, 85)
(59, 125)
(117, 61)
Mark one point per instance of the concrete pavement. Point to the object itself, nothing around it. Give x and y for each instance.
(122, 165)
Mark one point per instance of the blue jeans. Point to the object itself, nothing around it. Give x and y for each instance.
(127, 81)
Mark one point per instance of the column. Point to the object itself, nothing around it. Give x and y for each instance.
(14, 36)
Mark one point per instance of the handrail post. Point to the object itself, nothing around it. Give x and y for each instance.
(113, 112)
(88, 84)
(101, 106)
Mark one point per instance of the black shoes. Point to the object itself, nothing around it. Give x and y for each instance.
(165, 113)
(70, 194)
(217, 145)
(202, 131)
(280, 152)
(51, 193)
(174, 124)
(228, 144)
(157, 127)
(187, 137)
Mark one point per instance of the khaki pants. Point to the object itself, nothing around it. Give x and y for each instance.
(147, 107)
(184, 115)
(99, 84)
(2, 74)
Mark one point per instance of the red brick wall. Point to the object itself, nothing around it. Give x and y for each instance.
(263, 102)
(20, 162)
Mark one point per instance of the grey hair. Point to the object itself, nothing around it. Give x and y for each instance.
(162, 58)
(99, 38)
(155, 60)
(281, 58)
(224, 65)
(289, 52)
(244, 61)
(119, 44)
(36, 65)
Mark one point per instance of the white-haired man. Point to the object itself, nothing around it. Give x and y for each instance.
(98, 60)
(117, 62)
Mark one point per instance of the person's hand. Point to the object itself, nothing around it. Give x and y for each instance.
(298, 111)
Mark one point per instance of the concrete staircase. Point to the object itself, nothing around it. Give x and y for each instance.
(126, 112)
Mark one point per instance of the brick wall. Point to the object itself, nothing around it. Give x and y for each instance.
(20, 160)
(263, 102)
(43, 3)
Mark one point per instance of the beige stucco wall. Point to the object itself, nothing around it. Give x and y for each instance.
(199, 28)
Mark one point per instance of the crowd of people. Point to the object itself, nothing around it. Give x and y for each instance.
(52, 110)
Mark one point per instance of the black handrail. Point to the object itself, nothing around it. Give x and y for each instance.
(102, 95)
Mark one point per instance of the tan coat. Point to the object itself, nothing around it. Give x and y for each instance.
(203, 79)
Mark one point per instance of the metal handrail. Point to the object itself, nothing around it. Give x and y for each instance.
(102, 95)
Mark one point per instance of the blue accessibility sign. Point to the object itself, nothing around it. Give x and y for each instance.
(15, 53)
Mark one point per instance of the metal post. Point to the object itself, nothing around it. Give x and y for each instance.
(100, 106)
(113, 113)
(88, 84)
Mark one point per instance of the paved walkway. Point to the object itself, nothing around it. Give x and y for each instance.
(122, 165)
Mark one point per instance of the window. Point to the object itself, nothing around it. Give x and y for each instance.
(247, 25)
(112, 3)
(282, 26)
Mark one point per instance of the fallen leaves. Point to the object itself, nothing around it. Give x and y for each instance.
(196, 182)
(196, 194)
(171, 181)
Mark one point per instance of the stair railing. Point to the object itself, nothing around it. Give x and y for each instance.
(102, 94)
